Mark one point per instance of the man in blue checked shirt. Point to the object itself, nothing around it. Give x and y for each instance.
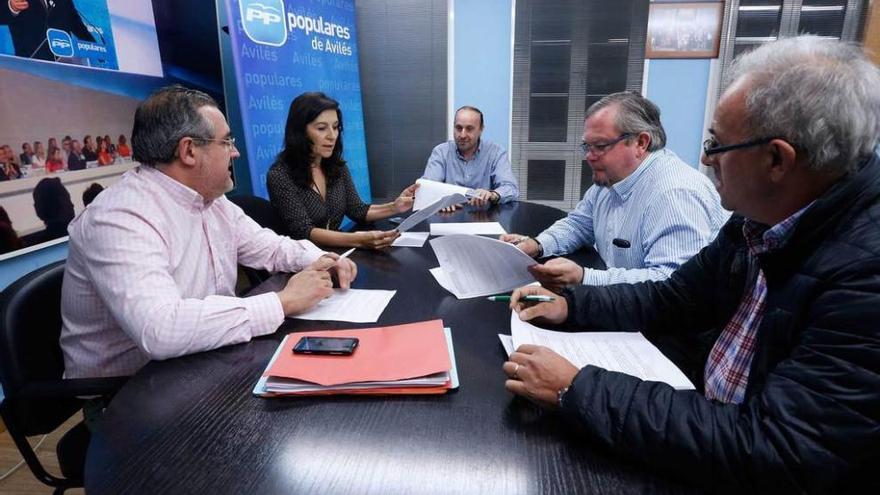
(647, 211)
(473, 162)
(776, 321)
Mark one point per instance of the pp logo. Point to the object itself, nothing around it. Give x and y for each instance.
(263, 21)
(59, 43)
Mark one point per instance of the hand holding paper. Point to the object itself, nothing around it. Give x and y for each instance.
(431, 191)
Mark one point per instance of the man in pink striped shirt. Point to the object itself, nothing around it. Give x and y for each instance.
(152, 262)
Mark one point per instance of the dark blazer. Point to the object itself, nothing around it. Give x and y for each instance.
(810, 421)
(76, 162)
(28, 28)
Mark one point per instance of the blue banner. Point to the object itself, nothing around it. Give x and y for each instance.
(282, 48)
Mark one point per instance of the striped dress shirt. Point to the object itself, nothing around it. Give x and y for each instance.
(151, 273)
(665, 211)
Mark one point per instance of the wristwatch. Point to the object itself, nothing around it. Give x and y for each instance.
(560, 395)
(540, 248)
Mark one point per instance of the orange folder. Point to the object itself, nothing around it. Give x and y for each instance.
(383, 354)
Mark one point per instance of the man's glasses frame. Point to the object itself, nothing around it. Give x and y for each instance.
(229, 142)
(711, 147)
(602, 148)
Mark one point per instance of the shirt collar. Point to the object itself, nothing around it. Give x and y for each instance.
(179, 193)
(625, 187)
(761, 238)
(476, 152)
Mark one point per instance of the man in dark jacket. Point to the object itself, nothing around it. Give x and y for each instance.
(777, 322)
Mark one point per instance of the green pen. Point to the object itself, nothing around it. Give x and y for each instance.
(526, 298)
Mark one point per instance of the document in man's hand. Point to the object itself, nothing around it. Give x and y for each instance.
(415, 358)
(430, 191)
(625, 352)
(474, 266)
(429, 210)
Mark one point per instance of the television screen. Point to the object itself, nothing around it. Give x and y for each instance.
(73, 72)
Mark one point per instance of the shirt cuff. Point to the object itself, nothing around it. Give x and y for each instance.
(311, 253)
(548, 244)
(595, 277)
(266, 313)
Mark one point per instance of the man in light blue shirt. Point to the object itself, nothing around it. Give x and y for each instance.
(647, 211)
(472, 162)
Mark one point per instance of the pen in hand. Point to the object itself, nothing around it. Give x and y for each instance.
(524, 298)
(521, 240)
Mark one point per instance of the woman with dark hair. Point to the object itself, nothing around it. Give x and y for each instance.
(310, 186)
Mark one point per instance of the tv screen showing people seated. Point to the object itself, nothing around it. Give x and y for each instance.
(73, 72)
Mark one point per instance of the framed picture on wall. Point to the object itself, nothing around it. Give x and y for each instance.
(684, 30)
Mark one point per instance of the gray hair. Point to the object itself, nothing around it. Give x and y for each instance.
(635, 114)
(164, 118)
(821, 95)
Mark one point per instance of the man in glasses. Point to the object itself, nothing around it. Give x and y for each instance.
(647, 211)
(779, 314)
(152, 262)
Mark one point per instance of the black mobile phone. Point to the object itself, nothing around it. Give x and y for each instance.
(334, 346)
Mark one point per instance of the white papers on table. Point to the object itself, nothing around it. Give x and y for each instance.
(354, 305)
(470, 228)
(480, 266)
(625, 352)
(411, 239)
(430, 191)
(506, 343)
(429, 210)
(441, 278)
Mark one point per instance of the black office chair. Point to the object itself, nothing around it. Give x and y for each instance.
(264, 214)
(37, 399)
(261, 211)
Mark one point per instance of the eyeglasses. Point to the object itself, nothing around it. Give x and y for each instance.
(229, 142)
(602, 148)
(711, 147)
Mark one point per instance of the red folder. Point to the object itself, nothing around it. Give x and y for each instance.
(383, 354)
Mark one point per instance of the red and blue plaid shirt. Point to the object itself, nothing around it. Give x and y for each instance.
(727, 369)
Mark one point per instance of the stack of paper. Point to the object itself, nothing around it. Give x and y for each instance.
(355, 305)
(625, 352)
(472, 228)
(473, 266)
(416, 358)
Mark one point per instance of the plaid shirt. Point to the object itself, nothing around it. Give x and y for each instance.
(727, 369)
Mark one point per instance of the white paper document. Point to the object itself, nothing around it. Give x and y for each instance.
(506, 343)
(476, 266)
(430, 191)
(428, 211)
(470, 228)
(411, 239)
(625, 352)
(354, 305)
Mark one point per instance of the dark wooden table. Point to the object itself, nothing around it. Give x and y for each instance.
(191, 425)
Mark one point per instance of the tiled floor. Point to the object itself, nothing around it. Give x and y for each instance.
(23, 481)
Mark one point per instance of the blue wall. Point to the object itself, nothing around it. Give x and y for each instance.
(679, 88)
(483, 37)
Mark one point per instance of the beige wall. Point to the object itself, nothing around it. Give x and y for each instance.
(872, 31)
